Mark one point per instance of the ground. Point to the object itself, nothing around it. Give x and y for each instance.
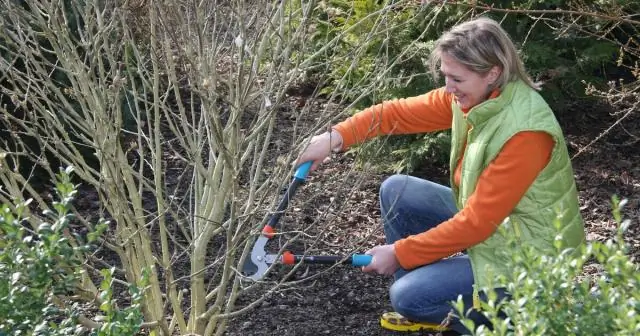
(345, 301)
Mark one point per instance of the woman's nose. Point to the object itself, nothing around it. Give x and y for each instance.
(448, 86)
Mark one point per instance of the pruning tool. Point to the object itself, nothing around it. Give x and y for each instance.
(260, 261)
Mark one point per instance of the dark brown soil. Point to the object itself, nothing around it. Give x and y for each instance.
(345, 301)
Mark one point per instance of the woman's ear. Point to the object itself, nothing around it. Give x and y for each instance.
(494, 74)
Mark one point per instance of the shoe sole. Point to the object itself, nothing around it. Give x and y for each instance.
(412, 327)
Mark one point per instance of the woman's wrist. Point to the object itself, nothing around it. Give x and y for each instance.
(335, 139)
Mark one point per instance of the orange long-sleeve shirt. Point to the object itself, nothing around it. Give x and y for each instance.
(499, 189)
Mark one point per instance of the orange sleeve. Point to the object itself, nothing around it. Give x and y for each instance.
(499, 189)
(425, 113)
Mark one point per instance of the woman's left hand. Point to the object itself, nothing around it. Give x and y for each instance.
(384, 260)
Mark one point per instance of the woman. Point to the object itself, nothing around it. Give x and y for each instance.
(510, 176)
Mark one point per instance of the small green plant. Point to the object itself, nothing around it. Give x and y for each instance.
(127, 321)
(35, 267)
(550, 295)
(39, 269)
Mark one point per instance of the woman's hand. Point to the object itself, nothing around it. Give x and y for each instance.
(320, 148)
(384, 260)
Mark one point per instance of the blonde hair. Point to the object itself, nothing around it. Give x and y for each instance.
(481, 44)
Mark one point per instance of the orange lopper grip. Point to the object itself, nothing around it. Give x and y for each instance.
(268, 231)
(288, 258)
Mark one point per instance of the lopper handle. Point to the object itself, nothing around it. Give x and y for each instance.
(361, 259)
(289, 258)
(298, 178)
(303, 170)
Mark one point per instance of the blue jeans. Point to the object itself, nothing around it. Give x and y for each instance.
(409, 206)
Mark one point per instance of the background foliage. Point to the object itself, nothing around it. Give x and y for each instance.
(564, 58)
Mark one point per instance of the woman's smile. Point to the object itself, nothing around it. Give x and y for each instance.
(468, 87)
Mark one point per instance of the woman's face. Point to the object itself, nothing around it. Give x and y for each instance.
(468, 87)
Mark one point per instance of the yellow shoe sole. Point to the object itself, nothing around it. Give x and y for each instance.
(396, 322)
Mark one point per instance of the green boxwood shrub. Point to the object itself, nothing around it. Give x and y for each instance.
(552, 295)
(40, 268)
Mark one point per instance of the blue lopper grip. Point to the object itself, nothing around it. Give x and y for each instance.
(361, 259)
(303, 170)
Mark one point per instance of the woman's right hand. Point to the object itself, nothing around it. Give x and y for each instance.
(320, 148)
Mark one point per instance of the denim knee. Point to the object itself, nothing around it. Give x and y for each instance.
(404, 301)
(400, 293)
(390, 187)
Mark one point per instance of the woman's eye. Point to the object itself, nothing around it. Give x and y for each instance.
(452, 79)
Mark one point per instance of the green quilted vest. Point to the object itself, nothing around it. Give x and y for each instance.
(485, 129)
